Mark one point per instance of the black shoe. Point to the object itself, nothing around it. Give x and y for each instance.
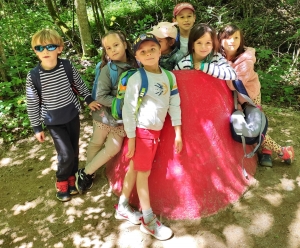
(83, 181)
(265, 160)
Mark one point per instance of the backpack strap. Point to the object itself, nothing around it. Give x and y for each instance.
(240, 88)
(97, 70)
(177, 40)
(35, 78)
(173, 91)
(68, 69)
(143, 90)
(113, 73)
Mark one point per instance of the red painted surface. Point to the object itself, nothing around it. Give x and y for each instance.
(207, 175)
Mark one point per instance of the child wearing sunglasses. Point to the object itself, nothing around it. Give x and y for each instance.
(57, 107)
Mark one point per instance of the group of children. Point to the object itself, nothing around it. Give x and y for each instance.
(192, 46)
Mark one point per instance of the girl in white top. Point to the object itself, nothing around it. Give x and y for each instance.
(203, 54)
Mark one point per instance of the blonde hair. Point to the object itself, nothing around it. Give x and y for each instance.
(46, 36)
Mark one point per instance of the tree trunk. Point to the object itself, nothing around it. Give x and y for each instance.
(102, 16)
(2, 63)
(74, 39)
(99, 27)
(84, 29)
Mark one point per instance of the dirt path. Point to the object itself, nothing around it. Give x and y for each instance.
(267, 215)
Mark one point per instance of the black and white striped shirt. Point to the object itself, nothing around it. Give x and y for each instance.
(58, 104)
(218, 67)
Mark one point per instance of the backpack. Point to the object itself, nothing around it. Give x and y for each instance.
(113, 72)
(250, 126)
(118, 101)
(35, 77)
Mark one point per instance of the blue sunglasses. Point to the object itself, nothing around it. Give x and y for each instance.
(50, 47)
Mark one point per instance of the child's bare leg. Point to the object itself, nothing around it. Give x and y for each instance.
(143, 193)
(143, 189)
(129, 181)
(123, 210)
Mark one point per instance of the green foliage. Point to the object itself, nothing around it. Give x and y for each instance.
(269, 26)
(276, 82)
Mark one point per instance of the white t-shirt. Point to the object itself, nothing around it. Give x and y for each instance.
(155, 104)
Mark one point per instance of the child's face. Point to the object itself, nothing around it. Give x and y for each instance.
(165, 45)
(203, 46)
(232, 43)
(185, 19)
(115, 48)
(148, 54)
(47, 54)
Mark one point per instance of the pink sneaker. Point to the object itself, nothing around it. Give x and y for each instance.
(287, 154)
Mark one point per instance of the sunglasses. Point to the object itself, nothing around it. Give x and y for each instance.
(50, 47)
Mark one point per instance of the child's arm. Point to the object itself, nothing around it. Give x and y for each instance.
(130, 103)
(184, 64)
(131, 148)
(104, 89)
(34, 109)
(175, 114)
(218, 68)
(178, 139)
(84, 91)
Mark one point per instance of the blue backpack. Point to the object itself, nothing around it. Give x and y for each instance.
(118, 101)
(113, 72)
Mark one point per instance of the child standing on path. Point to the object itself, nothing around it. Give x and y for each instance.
(203, 47)
(166, 33)
(242, 59)
(106, 130)
(143, 131)
(57, 106)
(184, 15)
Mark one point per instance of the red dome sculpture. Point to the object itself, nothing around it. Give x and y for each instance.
(207, 175)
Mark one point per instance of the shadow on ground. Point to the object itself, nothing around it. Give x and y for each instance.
(267, 215)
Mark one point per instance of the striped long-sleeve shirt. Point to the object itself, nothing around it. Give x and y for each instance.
(218, 67)
(57, 104)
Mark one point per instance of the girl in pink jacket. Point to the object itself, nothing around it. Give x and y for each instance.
(242, 59)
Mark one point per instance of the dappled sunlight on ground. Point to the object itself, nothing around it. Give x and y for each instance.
(267, 215)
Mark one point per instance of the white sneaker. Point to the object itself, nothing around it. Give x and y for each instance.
(129, 214)
(156, 229)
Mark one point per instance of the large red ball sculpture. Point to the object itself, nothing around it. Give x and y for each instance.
(207, 175)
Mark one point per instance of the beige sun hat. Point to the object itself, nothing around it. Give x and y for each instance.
(164, 30)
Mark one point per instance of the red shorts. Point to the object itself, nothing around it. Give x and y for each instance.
(146, 143)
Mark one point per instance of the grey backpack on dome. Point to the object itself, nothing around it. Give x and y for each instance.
(249, 126)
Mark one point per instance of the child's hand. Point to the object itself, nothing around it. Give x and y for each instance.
(40, 136)
(95, 106)
(131, 148)
(178, 144)
(178, 139)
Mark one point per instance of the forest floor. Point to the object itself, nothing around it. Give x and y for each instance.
(267, 215)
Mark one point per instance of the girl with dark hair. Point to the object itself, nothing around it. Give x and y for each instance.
(108, 134)
(203, 47)
(242, 59)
